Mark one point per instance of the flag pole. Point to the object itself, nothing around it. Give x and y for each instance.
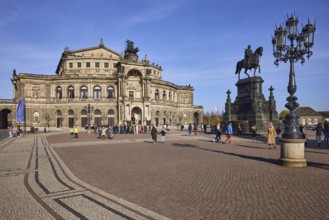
(24, 115)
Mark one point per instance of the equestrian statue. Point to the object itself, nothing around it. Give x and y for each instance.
(250, 61)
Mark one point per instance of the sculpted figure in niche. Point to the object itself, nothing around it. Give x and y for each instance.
(36, 116)
(35, 92)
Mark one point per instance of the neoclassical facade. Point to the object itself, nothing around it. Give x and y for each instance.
(99, 86)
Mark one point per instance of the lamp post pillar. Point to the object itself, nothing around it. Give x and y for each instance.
(89, 108)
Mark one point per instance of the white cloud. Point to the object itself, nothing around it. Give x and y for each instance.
(154, 12)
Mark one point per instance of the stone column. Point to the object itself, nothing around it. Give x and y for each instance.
(292, 152)
(124, 87)
(228, 108)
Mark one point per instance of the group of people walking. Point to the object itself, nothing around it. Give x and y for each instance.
(74, 132)
(322, 130)
(272, 133)
(15, 131)
(132, 129)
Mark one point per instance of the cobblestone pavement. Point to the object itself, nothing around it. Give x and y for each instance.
(49, 176)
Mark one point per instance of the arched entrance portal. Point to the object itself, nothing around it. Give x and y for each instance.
(6, 119)
(59, 119)
(136, 115)
(196, 118)
(71, 118)
(110, 117)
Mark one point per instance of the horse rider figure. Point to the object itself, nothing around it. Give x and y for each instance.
(248, 56)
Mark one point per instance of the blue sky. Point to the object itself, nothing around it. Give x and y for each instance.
(196, 42)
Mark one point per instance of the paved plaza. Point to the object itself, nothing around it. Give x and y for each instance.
(50, 176)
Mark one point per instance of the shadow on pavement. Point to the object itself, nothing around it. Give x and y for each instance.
(262, 159)
(318, 165)
(185, 145)
(258, 148)
(248, 157)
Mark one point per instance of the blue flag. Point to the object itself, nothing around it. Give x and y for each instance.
(20, 111)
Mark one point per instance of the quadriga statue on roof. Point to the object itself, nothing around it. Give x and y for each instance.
(250, 61)
(130, 49)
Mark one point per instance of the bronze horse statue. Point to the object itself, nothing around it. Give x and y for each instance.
(254, 63)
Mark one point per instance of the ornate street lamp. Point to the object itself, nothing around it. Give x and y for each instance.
(300, 46)
(89, 109)
(47, 118)
(292, 53)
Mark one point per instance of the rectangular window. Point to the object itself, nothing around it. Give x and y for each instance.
(97, 95)
(79, 64)
(84, 94)
(106, 65)
(131, 94)
(88, 64)
(97, 65)
(70, 65)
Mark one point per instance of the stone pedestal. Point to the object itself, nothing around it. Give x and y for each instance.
(292, 152)
(250, 106)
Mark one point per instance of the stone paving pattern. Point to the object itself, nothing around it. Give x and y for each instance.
(49, 176)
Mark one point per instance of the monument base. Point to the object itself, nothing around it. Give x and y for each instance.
(292, 152)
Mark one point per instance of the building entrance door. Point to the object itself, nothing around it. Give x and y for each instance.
(5, 118)
(136, 116)
(59, 122)
(111, 121)
(84, 122)
(71, 122)
(196, 118)
(98, 121)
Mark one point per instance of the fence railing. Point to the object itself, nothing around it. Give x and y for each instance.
(7, 100)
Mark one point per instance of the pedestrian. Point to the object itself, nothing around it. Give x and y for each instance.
(229, 133)
(239, 129)
(189, 129)
(181, 128)
(76, 132)
(71, 133)
(145, 129)
(195, 128)
(271, 136)
(218, 134)
(318, 133)
(108, 133)
(163, 134)
(254, 132)
(99, 132)
(10, 132)
(154, 134)
(302, 130)
(326, 132)
(205, 128)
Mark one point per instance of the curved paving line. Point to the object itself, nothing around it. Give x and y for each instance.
(102, 196)
(147, 215)
(6, 143)
(33, 193)
(41, 150)
(37, 180)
